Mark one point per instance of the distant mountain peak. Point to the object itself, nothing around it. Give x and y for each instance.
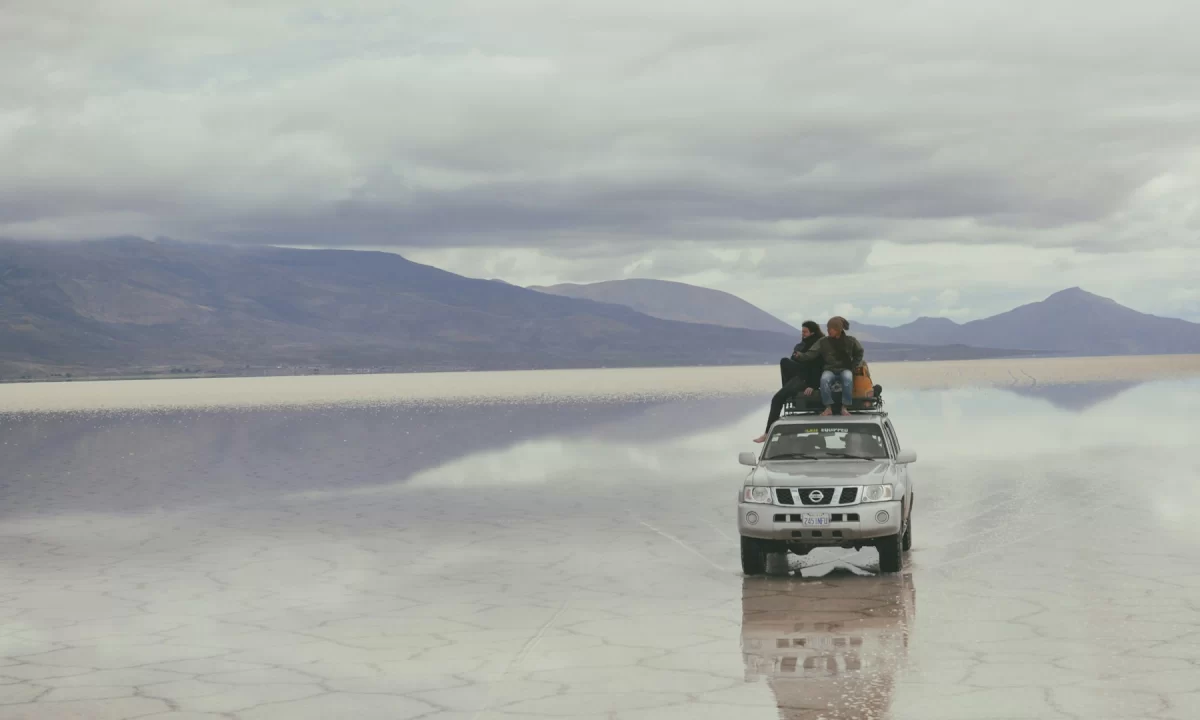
(670, 300)
(1077, 293)
(927, 321)
(125, 241)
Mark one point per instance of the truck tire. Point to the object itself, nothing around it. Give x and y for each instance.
(754, 556)
(907, 544)
(891, 553)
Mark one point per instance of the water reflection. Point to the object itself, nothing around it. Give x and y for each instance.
(829, 649)
(581, 559)
(1075, 398)
(128, 462)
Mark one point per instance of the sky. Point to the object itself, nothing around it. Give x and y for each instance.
(881, 160)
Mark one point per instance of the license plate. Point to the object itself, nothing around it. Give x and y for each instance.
(814, 518)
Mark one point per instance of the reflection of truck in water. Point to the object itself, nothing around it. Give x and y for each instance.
(829, 649)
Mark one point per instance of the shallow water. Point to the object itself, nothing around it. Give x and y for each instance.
(578, 557)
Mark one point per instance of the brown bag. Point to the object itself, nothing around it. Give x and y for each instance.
(863, 387)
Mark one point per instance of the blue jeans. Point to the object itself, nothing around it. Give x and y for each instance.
(847, 379)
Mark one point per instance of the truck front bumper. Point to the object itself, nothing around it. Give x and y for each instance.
(845, 525)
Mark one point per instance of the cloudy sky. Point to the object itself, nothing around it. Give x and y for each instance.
(882, 159)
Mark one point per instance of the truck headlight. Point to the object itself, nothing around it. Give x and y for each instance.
(761, 495)
(877, 493)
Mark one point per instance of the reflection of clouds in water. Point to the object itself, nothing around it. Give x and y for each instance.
(989, 453)
(126, 462)
(599, 444)
(1020, 467)
(654, 457)
(997, 424)
(528, 463)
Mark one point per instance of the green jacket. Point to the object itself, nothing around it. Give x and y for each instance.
(832, 359)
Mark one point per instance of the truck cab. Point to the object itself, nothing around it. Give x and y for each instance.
(827, 481)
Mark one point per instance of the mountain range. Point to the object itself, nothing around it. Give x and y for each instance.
(675, 301)
(129, 306)
(1069, 322)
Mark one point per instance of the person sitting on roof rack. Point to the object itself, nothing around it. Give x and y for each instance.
(798, 377)
(841, 355)
(810, 372)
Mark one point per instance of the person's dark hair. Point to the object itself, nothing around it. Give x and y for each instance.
(807, 343)
(837, 322)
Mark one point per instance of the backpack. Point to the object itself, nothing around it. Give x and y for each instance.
(863, 387)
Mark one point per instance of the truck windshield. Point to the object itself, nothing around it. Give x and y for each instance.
(818, 441)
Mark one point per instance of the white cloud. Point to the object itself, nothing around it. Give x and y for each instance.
(948, 305)
(916, 278)
(798, 155)
(847, 310)
(888, 315)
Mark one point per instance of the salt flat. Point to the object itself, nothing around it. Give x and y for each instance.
(525, 545)
(557, 385)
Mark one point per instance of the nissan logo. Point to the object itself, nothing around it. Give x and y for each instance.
(816, 496)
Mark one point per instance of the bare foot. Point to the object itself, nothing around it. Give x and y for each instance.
(828, 411)
(845, 411)
(761, 438)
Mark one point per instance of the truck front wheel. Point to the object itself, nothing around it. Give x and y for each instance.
(754, 556)
(891, 554)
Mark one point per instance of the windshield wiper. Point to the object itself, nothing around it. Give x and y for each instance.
(851, 456)
(793, 456)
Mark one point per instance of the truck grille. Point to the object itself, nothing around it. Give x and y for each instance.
(817, 497)
(835, 517)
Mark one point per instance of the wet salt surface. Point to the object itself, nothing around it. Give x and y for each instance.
(579, 559)
(557, 386)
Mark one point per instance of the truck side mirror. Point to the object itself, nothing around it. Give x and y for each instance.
(905, 457)
(748, 458)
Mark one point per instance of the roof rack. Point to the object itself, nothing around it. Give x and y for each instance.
(804, 405)
(791, 409)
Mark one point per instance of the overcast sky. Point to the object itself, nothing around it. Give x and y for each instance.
(881, 159)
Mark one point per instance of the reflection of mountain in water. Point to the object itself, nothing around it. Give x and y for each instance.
(131, 461)
(828, 649)
(668, 420)
(1077, 397)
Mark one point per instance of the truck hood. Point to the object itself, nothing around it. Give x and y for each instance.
(816, 473)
